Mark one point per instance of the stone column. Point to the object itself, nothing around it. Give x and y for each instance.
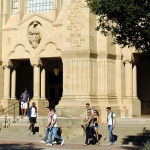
(36, 82)
(128, 79)
(134, 81)
(13, 84)
(6, 82)
(43, 79)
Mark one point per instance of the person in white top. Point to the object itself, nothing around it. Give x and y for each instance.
(111, 121)
(54, 128)
(32, 114)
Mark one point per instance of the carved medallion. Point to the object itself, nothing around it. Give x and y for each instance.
(34, 33)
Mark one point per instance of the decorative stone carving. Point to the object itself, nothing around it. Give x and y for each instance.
(34, 33)
(8, 40)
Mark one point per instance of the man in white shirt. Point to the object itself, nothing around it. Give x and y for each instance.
(54, 128)
(111, 121)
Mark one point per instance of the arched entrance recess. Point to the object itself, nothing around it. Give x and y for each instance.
(143, 83)
(54, 83)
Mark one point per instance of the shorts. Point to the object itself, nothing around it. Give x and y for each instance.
(24, 105)
(95, 127)
(33, 119)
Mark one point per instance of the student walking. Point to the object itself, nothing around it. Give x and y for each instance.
(89, 122)
(32, 114)
(96, 120)
(111, 121)
(53, 128)
(48, 124)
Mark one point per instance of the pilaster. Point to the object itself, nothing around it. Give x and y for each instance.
(130, 100)
(39, 81)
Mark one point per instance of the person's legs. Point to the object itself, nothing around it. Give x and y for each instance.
(25, 108)
(91, 132)
(96, 132)
(87, 135)
(30, 126)
(110, 129)
(32, 130)
(55, 134)
(46, 135)
(50, 136)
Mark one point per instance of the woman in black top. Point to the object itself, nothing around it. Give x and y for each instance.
(96, 120)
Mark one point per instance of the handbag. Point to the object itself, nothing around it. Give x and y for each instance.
(19, 100)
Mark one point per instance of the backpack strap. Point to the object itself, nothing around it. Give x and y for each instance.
(112, 117)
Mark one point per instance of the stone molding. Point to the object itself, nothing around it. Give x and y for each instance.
(32, 15)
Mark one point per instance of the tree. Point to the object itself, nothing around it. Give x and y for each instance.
(127, 21)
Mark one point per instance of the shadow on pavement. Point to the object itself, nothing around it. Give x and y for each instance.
(128, 148)
(28, 146)
(139, 139)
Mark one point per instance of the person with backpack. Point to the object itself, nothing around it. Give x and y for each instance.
(53, 128)
(111, 121)
(89, 122)
(32, 114)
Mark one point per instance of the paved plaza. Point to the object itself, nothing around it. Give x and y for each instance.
(29, 145)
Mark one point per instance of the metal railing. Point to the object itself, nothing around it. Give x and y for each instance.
(8, 110)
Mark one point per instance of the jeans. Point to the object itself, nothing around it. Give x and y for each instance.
(111, 136)
(53, 131)
(46, 136)
(90, 134)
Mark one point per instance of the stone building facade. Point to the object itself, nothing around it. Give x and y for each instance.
(37, 37)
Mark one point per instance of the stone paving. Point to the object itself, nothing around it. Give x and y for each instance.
(29, 145)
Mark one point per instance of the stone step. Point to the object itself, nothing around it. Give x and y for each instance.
(18, 133)
(127, 133)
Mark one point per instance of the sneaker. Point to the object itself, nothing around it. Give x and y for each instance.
(54, 142)
(89, 141)
(98, 143)
(42, 142)
(48, 144)
(62, 142)
(110, 143)
(29, 133)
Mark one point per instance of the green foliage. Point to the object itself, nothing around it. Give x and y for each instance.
(128, 21)
(146, 146)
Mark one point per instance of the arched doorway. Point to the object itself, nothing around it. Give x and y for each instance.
(24, 78)
(54, 83)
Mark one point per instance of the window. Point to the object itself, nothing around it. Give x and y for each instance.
(14, 7)
(39, 5)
